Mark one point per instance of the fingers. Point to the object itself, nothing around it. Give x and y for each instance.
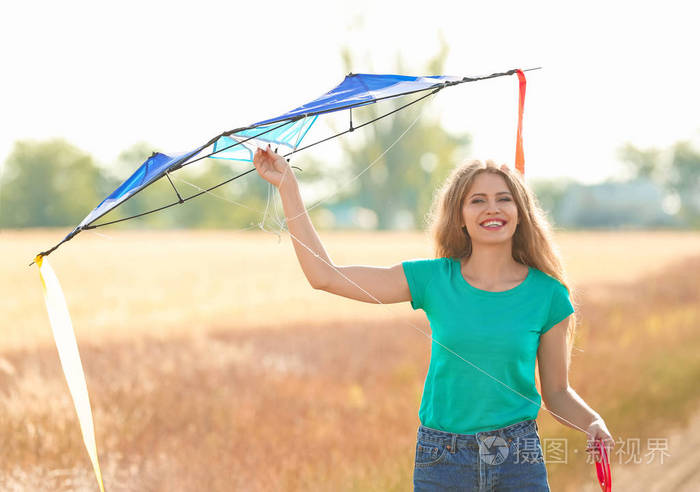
(261, 161)
(593, 449)
(257, 159)
(268, 160)
(594, 454)
(263, 152)
(608, 442)
(260, 153)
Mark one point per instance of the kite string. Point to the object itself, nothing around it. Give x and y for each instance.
(340, 187)
(430, 337)
(388, 306)
(278, 218)
(217, 196)
(233, 202)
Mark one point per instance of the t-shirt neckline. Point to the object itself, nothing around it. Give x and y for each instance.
(487, 293)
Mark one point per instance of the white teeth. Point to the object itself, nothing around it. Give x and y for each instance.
(493, 222)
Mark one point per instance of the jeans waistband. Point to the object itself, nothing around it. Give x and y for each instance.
(510, 432)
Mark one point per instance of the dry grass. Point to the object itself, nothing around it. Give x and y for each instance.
(182, 283)
(636, 362)
(211, 365)
(295, 409)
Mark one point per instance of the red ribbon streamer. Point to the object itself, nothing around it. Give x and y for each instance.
(519, 155)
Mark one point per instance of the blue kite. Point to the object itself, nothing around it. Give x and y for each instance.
(285, 131)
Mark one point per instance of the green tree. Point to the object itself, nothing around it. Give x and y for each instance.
(679, 175)
(400, 185)
(550, 194)
(642, 163)
(49, 183)
(684, 179)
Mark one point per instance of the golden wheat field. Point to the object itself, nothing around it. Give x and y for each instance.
(212, 365)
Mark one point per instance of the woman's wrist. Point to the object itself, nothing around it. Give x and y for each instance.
(288, 182)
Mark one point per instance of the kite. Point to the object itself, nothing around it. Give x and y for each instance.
(285, 131)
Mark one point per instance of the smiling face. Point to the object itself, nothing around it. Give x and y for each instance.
(489, 200)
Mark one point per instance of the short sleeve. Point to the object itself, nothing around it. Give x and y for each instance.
(418, 274)
(560, 307)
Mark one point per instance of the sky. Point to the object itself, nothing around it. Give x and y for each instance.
(174, 74)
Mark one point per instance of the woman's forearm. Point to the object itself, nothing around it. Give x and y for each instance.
(316, 263)
(570, 409)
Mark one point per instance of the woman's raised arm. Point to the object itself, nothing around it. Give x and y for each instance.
(368, 284)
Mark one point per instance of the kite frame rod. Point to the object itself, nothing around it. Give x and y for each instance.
(180, 165)
(175, 203)
(438, 85)
(167, 175)
(174, 167)
(182, 200)
(353, 128)
(89, 226)
(435, 88)
(184, 163)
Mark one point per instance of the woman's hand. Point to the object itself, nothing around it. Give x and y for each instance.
(598, 431)
(272, 167)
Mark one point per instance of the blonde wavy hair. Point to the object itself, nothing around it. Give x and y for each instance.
(533, 242)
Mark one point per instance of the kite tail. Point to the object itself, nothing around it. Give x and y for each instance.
(519, 155)
(70, 358)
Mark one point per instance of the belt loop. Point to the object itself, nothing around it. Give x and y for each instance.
(453, 448)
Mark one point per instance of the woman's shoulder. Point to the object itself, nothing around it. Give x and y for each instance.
(434, 262)
(545, 280)
(427, 266)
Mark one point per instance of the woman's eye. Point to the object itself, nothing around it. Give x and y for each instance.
(500, 200)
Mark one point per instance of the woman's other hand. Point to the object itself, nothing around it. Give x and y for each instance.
(272, 167)
(598, 431)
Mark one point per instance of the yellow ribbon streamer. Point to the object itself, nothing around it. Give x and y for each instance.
(70, 358)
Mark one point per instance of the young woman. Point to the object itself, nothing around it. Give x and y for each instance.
(497, 301)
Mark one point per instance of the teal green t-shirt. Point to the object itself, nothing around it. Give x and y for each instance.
(497, 332)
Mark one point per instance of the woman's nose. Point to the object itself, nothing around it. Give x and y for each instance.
(493, 205)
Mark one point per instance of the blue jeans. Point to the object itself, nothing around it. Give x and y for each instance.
(506, 459)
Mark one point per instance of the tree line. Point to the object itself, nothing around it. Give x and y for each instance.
(55, 184)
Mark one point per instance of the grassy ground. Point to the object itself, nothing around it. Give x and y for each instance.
(162, 284)
(211, 365)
